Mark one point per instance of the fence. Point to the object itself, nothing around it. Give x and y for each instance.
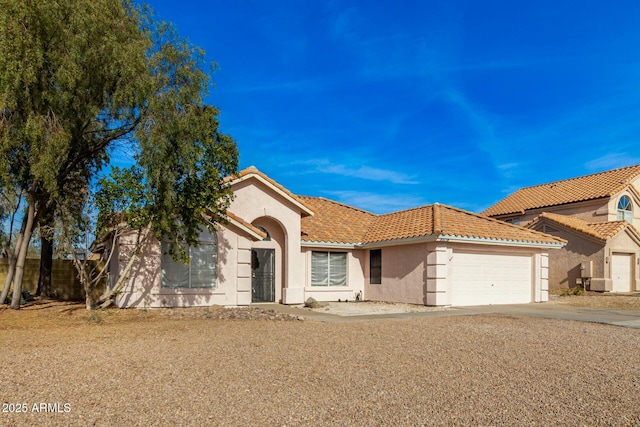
(64, 279)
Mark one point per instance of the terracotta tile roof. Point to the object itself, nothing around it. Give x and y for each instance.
(589, 187)
(253, 170)
(244, 223)
(442, 220)
(339, 223)
(599, 230)
(334, 222)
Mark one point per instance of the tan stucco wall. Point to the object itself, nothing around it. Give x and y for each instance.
(565, 264)
(254, 200)
(404, 270)
(421, 273)
(144, 289)
(255, 203)
(591, 211)
(613, 205)
(624, 244)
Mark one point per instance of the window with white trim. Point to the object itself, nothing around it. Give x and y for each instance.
(328, 268)
(200, 273)
(625, 209)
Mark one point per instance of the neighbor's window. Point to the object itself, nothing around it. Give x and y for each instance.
(328, 268)
(625, 209)
(201, 272)
(375, 266)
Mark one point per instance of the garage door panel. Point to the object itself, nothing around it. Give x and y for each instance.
(483, 279)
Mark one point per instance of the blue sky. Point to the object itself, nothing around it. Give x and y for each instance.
(390, 105)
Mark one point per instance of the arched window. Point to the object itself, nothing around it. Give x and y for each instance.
(625, 209)
(264, 230)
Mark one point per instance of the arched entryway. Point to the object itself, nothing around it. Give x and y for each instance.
(268, 262)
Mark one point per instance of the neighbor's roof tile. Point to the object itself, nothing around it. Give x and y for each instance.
(589, 187)
(599, 230)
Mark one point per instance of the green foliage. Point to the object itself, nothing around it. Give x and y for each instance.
(121, 197)
(576, 290)
(78, 77)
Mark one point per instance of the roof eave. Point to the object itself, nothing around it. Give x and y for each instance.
(337, 245)
(402, 241)
(501, 242)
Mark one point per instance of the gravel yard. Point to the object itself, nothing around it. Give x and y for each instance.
(195, 367)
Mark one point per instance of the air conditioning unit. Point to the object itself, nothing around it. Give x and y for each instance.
(586, 269)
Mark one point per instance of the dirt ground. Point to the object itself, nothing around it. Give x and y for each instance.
(599, 300)
(65, 366)
(43, 312)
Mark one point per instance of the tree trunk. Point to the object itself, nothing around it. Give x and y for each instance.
(46, 267)
(22, 256)
(13, 256)
(107, 298)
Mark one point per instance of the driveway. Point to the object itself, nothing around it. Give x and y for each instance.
(625, 318)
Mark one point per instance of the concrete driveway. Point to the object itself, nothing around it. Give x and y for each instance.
(624, 318)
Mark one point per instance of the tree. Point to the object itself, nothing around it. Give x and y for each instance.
(81, 76)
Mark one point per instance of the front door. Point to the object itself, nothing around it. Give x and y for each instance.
(263, 275)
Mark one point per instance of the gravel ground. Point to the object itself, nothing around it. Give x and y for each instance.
(178, 367)
(371, 307)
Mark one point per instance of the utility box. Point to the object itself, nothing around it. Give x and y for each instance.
(586, 269)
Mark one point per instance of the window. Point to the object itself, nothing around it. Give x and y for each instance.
(514, 221)
(375, 266)
(625, 209)
(328, 268)
(200, 273)
(264, 230)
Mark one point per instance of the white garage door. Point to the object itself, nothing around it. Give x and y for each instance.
(483, 279)
(621, 272)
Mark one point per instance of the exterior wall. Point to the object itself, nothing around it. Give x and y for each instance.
(591, 211)
(278, 244)
(613, 205)
(624, 244)
(254, 200)
(421, 273)
(565, 264)
(404, 279)
(144, 290)
(355, 276)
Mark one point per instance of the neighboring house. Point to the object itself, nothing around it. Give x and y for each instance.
(595, 214)
(279, 247)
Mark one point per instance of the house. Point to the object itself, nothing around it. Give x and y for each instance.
(279, 247)
(595, 215)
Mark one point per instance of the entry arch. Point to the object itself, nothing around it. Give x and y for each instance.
(276, 240)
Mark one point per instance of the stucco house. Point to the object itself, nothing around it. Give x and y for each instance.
(595, 215)
(279, 247)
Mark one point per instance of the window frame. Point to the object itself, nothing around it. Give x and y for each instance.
(209, 240)
(328, 275)
(375, 276)
(625, 210)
